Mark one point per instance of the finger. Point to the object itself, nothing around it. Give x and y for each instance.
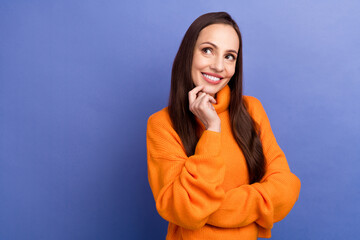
(200, 94)
(192, 94)
(199, 98)
(206, 99)
(201, 103)
(209, 97)
(213, 100)
(195, 100)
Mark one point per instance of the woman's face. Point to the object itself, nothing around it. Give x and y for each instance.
(215, 57)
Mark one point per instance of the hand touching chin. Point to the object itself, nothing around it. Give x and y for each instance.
(209, 91)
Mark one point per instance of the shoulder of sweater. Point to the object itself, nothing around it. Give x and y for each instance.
(160, 119)
(159, 124)
(254, 107)
(159, 116)
(251, 100)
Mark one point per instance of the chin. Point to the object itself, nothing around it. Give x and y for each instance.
(211, 90)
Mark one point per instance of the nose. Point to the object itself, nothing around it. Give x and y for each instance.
(218, 64)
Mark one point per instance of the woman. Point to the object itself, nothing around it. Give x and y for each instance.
(214, 167)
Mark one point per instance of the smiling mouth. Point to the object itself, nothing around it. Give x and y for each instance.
(212, 78)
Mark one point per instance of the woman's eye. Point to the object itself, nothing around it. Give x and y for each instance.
(230, 57)
(206, 50)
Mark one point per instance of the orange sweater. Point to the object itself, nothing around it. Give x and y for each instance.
(207, 195)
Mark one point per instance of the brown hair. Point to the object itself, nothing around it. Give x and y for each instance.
(244, 128)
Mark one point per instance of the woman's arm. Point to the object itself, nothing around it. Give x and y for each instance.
(268, 201)
(186, 189)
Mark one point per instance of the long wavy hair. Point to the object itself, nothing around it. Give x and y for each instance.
(244, 129)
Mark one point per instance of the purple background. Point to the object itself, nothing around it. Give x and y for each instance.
(78, 80)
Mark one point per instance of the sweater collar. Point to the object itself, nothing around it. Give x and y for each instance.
(222, 99)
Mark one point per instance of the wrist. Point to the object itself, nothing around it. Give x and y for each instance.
(214, 127)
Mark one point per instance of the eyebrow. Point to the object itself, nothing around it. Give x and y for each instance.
(212, 44)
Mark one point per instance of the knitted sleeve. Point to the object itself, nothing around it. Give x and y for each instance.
(267, 201)
(186, 189)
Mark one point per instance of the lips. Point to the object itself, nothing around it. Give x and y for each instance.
(212, 78)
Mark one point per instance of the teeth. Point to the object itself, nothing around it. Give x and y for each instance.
(211, 77)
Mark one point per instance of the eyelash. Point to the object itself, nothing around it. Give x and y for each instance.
(204, 50)
(234, 58)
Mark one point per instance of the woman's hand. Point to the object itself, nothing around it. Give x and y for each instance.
(200, 106)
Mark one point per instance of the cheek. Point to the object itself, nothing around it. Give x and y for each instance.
(231, 70)
(199, 62)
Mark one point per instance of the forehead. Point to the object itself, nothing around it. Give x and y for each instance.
(222, 35)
